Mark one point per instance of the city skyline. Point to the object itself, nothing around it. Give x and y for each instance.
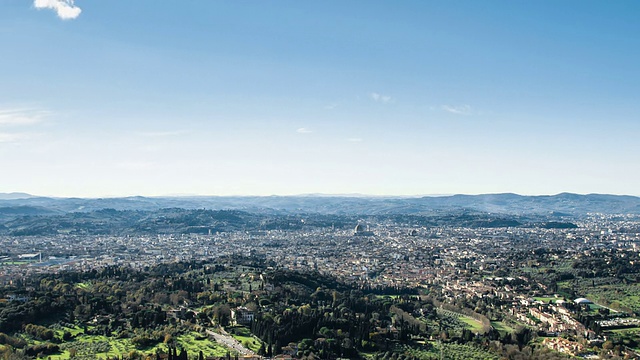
(103, 99)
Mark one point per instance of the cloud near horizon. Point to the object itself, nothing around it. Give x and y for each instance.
(65, 9)
(304, 131)
(21, 117)
(13, 137)
(154, 134)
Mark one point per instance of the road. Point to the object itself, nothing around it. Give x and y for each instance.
(227, 340)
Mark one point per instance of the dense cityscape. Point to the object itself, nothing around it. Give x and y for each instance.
(498, 288)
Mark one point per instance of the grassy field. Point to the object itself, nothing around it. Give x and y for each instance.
(546, 299)
(607, 291)
(465, 321)
(502, 327)
(74, 331)
(621, 297)
(244, 336)
(474, 325)
(99, 347)
(194, 343)
(594, 308)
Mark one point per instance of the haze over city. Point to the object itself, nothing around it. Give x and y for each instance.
(115, 98)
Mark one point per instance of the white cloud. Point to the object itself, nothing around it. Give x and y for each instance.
(331, 106)
(135, 165)
(12, 137)
(457, 109)
(164, 133)
(65, 9)
(21, 117)
(385, 99)
(304, 131)
(355, 139)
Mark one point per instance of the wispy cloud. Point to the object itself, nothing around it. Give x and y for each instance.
(331, 106)
(135, 165)
(13, 137)
(11, 118)
(66, 9)
(384, 99)
(304, 131)
(457, 109)
(355, 140)
(155, 134)
(21, 117)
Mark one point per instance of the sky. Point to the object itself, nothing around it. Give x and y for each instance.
(147, 97)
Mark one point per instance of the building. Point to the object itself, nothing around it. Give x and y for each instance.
(242, 315)
(361, 231)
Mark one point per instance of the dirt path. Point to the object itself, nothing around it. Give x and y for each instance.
(227, 340)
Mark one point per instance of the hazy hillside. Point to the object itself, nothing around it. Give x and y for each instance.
(14, 195)
(562, 204)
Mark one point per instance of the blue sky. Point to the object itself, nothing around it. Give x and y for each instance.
(112, 98)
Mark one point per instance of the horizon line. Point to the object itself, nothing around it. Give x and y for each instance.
(25, 195)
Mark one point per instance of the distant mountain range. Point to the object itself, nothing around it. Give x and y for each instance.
(565, 204)
(14, 196)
